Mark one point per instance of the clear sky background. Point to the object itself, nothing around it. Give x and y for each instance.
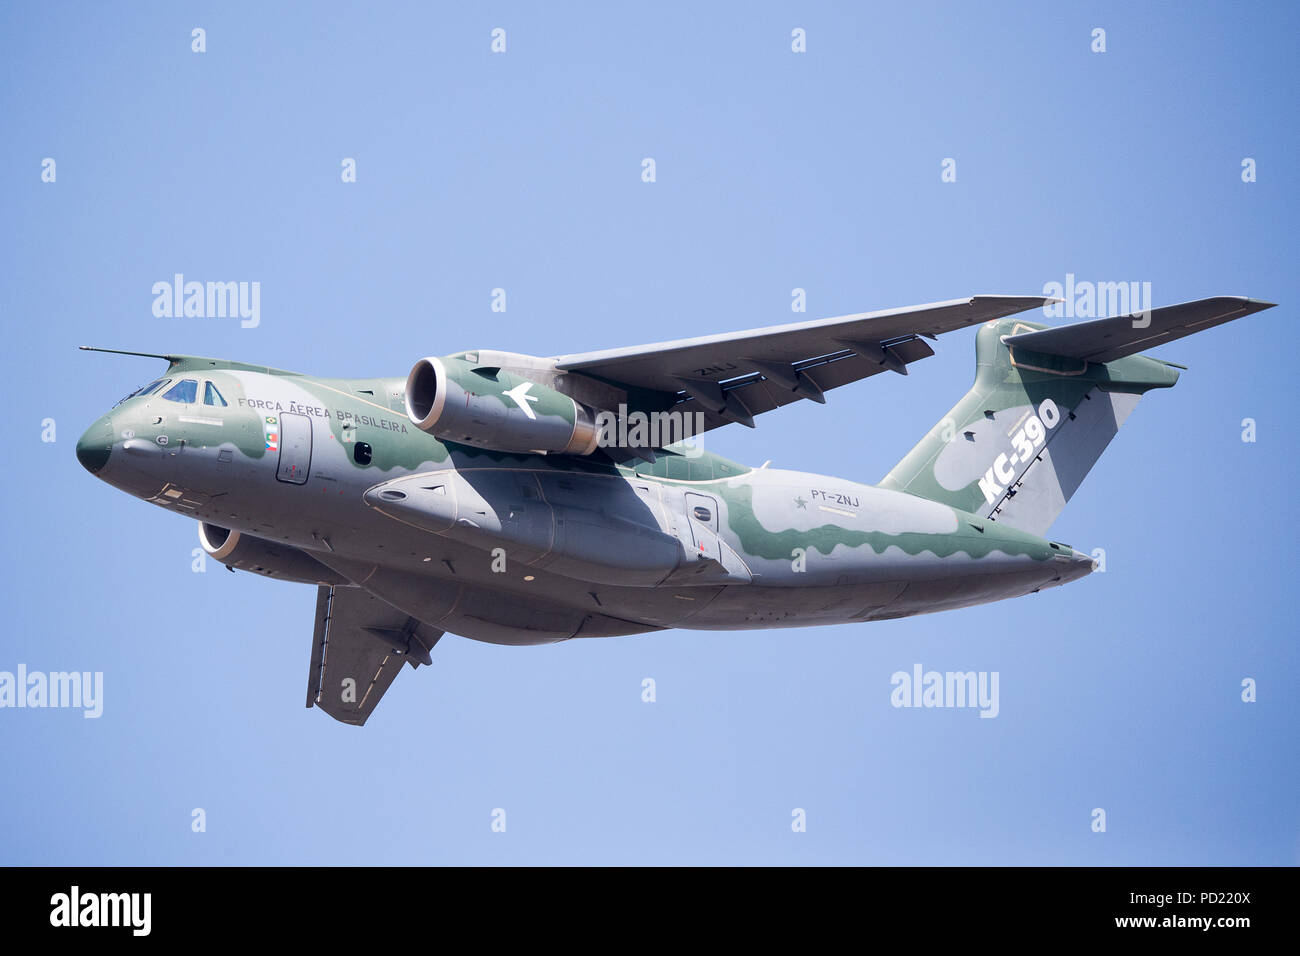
(775, 170)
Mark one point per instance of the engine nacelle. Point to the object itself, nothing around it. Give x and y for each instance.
(489, 407)
(279, 561)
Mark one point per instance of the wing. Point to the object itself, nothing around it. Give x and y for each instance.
(359, 646)
(1105, 340)
(734, 376)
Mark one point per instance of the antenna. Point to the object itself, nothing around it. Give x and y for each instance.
(91, 348)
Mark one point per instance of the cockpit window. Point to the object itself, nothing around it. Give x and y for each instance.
(184, 391)
(145, 389)
(211, 396)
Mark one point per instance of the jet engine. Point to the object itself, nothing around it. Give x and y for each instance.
(488, 407)
(279, 561)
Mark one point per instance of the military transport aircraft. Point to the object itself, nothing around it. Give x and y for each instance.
(523, 500)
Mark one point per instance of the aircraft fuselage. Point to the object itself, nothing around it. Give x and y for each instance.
(535, 548)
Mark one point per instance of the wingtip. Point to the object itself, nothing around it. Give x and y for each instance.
(1245, 301)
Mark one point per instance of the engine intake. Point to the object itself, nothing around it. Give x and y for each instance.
(489, 407)
(247, 553)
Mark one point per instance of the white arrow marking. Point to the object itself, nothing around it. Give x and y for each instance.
(520, 394)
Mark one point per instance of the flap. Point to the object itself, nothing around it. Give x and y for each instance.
(736, 375)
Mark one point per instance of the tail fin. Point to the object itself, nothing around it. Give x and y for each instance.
(1044, 406)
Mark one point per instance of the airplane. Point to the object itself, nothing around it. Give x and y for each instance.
(517, 499)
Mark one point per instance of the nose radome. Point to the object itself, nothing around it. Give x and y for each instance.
(94, 447)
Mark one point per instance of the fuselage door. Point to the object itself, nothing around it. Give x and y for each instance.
(702, 514)
(295, 449)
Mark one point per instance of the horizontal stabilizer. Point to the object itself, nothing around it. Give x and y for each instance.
(1105, 340)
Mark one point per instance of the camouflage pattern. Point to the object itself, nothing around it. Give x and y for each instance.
(334, 470)
(481, 494)
(1019, 443)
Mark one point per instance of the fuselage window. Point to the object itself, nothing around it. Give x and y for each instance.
(184, 391)
(361, 453)
(702, 514)
(211, 396)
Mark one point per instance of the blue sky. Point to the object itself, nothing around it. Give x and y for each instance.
(775, 170)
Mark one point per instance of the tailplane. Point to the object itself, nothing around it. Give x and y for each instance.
(1045, 404)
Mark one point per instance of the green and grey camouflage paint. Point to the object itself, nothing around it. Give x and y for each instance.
(472, 496)
(1029, 429)
(598, 547)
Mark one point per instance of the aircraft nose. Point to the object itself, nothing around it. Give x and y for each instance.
(94, 447)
